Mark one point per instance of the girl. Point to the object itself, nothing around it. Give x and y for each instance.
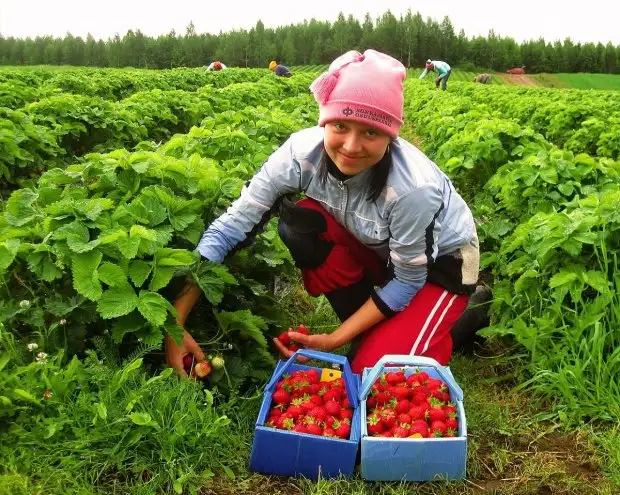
(382, 233)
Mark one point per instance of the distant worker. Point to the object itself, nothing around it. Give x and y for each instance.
(483, 78)
(279, 69)
(442, 69)
(217, 65)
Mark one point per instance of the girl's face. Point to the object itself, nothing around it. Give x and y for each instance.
(354, 147)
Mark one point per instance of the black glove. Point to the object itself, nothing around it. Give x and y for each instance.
(299, 229)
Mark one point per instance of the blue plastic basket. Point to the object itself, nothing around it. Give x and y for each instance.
(288, 453)
(412, 459)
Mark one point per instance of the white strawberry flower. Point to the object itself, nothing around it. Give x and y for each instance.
(41, 358)
(24, 304)
(33, 346)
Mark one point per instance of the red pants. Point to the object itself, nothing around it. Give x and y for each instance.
(422, 329)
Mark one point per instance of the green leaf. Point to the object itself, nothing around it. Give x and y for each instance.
(130, 323)
(229, 472)
(161, 277)
(43, 267)
(92, 208)
(102, 411)
(141, 419)
(175, 331)
(111, 274)
(213, 279)
(138, 271)
(562, 278)
(23, 394)
(174, 257)
(154, 307)
(8, 251)
(142, 233)
(117, 301)
(597, 281)
(244, 322)
(85, 275)
(129, 246)
(19, 208)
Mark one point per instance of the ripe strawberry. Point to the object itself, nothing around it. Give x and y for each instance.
(201, 370)
(281, 397)
(294, 411)
(417, 412)
(285, 422)
(330, 420)
(438, 426)
(302, 329)
(333, 408)
(343, 431)
(419, 423)
(388, 416)
(419, 429)
(300, 428)
(319, 413)
(374, 424)
(422, 377)
(329, 432)
(371, 403)
(433, 384)
(382, 398)
(313, 376)
(188, 360)
(346, 413)
(446, 397)
(314, 429)
(450, 433)
(400, 393)
(401, 432)
(333, 394)
(285, 339)
(450, 409)
(452, 423)
(345, 402)
(403, 406)
(275, 411)
(404, 419)
(436, 414)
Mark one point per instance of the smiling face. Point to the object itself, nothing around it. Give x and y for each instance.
(354, 147)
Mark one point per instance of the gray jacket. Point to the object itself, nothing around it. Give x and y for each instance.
(417, 218)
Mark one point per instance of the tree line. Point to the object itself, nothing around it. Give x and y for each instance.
(410, 38)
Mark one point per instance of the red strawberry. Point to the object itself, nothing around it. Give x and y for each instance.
(346, 413)
(371, 403)
(400, 393)
(434, 384)
(438, 426)
(329, 432)
(333, 408)
(419, 423)
(281, 397)
(318, 413)
(343, 431)
(294, 411)
(300, 428)
(452, 423)
(313, 376)
(188, 360)
(314, 429)
(403, 406)
(417, 412)
(382, 398)
(285, 339)
(274, 411)
(389, 417)
(302, 329)
(422, 377)
(419, 429)
(345, 402)
(404, 419)
(374, 424)
(330, 420)
(436, 414)
(401, 432)
(445, 397)
(332, 394)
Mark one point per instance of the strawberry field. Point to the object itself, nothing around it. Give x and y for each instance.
(109, 178)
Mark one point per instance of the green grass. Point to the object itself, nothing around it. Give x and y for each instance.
(591, 81)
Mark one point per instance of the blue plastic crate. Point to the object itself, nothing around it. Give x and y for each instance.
(288, 453)
(412, 459)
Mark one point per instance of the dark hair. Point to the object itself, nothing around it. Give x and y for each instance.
(378, 173)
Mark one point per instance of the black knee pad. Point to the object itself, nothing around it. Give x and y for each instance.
(307, 249)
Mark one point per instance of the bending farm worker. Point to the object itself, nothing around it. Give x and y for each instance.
(217, 65)
(381, 232)
(442, 69)
(279, 69)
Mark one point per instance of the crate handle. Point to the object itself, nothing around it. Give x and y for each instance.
(405, 359)
(351, 384)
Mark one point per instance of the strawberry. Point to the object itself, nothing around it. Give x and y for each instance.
(201, 370)
(274, 411)
(329, 432)
(382, 398)
(345, 402)
(300, 428)
(436, 414)
(302, 329)
(417, 412)
(419, 429)
(343, 431)
(438, 427)
(330, 420)
(285, 339)
(217, 362)
(450, 409)
(319, 413)
(333, 408)
(419, 423)
(452, 423)
(422, 377)
(434, 384)
(404, 419)
(450, 433)
(316, 400)
(400, 393)
(294, 411)
(401, 432)
(332, 394)
(346, 413)
(371, 403)
(403, 406)
(374, 424)
(188, 360)
(388, 416)
(313, 376)
(314, 429)
(281, 397)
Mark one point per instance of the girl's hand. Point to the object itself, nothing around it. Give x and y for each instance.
(175, 352)
(287, 353)
(320, 341)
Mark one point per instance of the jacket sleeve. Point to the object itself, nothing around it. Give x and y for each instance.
(279, 175)
(415, 227)
(423, 75)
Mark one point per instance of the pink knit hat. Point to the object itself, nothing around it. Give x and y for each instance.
(365, 88)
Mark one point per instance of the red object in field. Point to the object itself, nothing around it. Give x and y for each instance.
(516, 70)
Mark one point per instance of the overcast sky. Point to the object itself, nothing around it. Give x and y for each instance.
(589, 20)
